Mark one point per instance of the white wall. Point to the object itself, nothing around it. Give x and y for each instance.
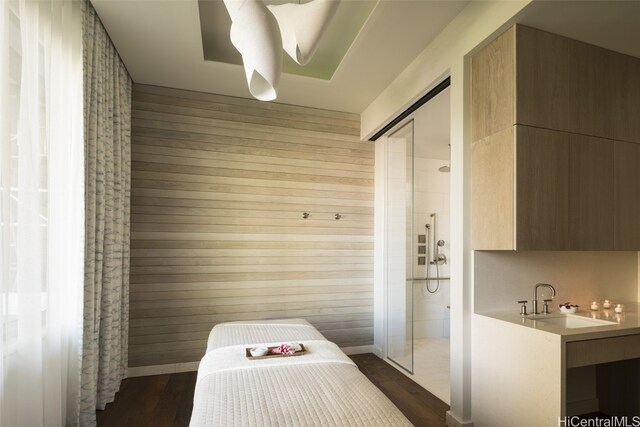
(447, 55)
(503, 277)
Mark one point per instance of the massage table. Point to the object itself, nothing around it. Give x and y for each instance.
(320, 388)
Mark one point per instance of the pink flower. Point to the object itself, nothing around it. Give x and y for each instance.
(284, 349)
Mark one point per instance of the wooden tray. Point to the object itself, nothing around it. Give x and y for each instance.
(300, 352)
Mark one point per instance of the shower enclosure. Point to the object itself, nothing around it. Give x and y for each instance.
(416, 245)
(400, 244)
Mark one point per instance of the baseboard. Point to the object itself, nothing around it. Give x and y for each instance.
(361, 349)
(171, 368)
(585, 406)
(378, 351)
(452, 421)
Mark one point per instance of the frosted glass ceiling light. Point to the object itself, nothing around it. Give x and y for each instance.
(302, 26)
(256, 35)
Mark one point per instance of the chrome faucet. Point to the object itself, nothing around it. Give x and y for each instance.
(534, 304)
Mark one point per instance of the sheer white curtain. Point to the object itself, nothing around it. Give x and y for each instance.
(41, 211)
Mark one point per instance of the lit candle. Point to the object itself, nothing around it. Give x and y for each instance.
(619, 308)
(606, 304)
(594, 305)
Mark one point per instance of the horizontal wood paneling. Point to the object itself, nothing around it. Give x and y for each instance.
(228, 142)
(265, 258)
(255, 285)
(219, 185)
(262, 108)
(228, 128)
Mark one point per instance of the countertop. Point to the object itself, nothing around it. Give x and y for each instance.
(626, 323)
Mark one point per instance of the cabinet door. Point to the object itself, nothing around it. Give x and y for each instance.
(626, 194)
(562, 84)
(542, 71)
(626, 109)
(492, 180)
(591, 193)
(542, 189)
(493, 87)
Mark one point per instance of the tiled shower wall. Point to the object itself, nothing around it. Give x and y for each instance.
(431, 195)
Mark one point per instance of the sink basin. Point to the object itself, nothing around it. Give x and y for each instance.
(571, 321)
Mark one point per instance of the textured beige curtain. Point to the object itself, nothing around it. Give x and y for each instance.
(107, 130)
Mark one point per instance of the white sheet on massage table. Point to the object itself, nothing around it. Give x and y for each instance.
(251, 332)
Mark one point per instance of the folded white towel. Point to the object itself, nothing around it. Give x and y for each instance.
(234, 357)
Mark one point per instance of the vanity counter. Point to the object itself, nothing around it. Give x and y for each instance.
(626, 323)
(529, 372)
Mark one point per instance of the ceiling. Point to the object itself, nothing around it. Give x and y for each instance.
(342, 31)
(161, 44)
(613, 25)
(165, 43)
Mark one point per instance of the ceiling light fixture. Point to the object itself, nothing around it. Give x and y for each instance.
(302, 26)
(256, 35)
(260, 32)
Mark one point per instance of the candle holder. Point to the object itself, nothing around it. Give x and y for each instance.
(606, 304)
(594, 306)
(619, 308)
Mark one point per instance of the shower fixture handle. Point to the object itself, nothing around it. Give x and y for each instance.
(440, 259)
(523, 307)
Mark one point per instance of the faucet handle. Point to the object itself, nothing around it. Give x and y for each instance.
(545, 306)
(523, 307)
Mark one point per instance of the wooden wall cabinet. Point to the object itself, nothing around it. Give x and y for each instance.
(590, 193)
(521, 184)
(626, 196)
(493, 191)
(563, 84)
(556, 147)
(542, 189)
(626, 87)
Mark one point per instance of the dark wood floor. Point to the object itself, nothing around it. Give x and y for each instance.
(166, 400)
(158, 401)
(422, 408)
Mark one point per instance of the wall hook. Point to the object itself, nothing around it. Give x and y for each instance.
(337, 216)
(305, 215)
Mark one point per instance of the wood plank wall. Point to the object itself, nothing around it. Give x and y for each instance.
(219, 188)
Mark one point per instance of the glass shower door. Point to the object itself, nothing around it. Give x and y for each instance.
(400, 244)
